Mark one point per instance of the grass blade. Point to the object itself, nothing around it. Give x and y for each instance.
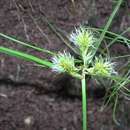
(25, 56)
(107, 26)
(114, 111)
(26, 44)
(111, 35)
(59, 35)
(118, 37)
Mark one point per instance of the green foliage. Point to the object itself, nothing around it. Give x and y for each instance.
(25, 56)
(83, 39)
(102, 67)
(26, 44)
(86, 44)
(64, 62)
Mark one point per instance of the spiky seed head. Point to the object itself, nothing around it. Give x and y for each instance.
(82, 38)
(64, 62)
(102, 67)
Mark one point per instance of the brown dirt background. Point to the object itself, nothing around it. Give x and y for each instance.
(32, 98)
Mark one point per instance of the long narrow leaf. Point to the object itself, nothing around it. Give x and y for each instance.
(111, 35)
(25, 56)
(58, 34)
(26, 44)
(107, 26)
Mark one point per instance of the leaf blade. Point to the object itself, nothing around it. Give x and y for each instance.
(25, 56)
(26, 44)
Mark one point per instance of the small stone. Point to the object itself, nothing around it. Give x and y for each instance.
(3, 95)
(28, 120)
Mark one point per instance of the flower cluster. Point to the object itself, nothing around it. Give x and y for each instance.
(102, 67)
(64, 62)
(83, 39)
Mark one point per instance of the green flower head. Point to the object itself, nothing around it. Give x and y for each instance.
(82, 38)
(64, 62)
(102, 67)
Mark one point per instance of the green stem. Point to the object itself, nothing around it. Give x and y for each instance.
(84, 104)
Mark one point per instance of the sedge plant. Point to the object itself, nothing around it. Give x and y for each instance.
(84, 41)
